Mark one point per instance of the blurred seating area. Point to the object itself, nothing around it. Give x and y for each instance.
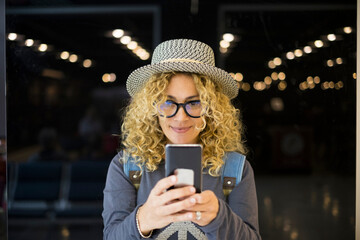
(56, 191)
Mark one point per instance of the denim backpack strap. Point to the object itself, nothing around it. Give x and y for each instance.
(232, 171)
(132, 171)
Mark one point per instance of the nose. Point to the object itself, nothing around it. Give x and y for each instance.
(181, 115)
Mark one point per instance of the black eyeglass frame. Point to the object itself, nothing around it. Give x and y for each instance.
(183, 106)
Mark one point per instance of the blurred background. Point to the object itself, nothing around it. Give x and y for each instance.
(67, 62)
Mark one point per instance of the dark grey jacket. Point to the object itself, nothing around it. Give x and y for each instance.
(237, 219)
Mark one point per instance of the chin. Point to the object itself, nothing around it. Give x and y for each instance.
(183, 141)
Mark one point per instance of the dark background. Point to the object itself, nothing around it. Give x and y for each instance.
(303, 155)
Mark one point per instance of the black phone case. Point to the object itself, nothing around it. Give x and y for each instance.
(187, 156)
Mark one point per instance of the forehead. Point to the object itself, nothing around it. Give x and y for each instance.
(181, 86)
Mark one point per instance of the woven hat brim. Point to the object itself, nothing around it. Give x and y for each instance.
(140, 76)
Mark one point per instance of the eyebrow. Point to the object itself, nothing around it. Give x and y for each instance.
(188, 98)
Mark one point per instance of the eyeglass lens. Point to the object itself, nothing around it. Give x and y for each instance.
(170, 108)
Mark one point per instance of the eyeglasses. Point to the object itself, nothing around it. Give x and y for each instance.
(169, 108)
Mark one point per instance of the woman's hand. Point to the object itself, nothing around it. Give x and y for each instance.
(208, 205)
(164, 207)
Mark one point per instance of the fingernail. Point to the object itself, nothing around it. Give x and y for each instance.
(173, 179)
(192, 200)
(192, 189)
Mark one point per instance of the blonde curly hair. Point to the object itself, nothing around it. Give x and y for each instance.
(144, 140)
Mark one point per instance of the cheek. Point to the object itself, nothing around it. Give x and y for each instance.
(162, 123)
(199, 123)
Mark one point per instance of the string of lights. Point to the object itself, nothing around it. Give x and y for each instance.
(279, 77)
(125, 39)
(37, 45)
(122, 36)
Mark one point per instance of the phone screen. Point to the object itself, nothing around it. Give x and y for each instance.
(185, 161)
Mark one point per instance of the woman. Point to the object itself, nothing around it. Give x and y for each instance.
(181, 97)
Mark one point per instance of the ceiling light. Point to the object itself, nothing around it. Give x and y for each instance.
(347, 30)
(132, 45)
(307, 49)
(267, 80)
(245, 87)
(339, 60)
(87, 63)
(331, 37)
(298, 53)
(316, 79)
(64, 55)
(310, 80)
(271, 64)
(282, 86)
(136, 50)
(224, 44)
(238, 85)
(290, 55)
(73, 58)
(125, 40)
(223, 50)
(140, 51)
(43, 47)
(303, 86)
(239, 77)
(281, 76)
(318, 43)
(330, 63)
(260, 86)
(12, 36)
(274, 76)
(325, 85)
(277, 61)
(112, 77)
(145, 56)
(118, 33)
(340, 84)
(228, 37)
(106, 78)
(29, 42)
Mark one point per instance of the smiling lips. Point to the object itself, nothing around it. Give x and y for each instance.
(180, 129)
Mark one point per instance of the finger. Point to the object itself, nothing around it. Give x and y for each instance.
(163, 184)
(180, 217)
(204, 197)
(199, 207)
(179, 206)
(203, 220)
(177, 193)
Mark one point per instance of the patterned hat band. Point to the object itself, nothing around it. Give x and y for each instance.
(180, 60)
(182, 55)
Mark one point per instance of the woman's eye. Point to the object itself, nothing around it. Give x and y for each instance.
(197, 103)
(169, 103)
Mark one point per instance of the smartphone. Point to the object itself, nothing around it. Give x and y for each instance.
(184, 161)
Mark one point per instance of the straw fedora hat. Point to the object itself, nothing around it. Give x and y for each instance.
(182, 55)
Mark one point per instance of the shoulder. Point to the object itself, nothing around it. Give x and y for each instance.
(237, 163)
(116, 174)
(236, 156)
(116, 168)
(234, 160)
